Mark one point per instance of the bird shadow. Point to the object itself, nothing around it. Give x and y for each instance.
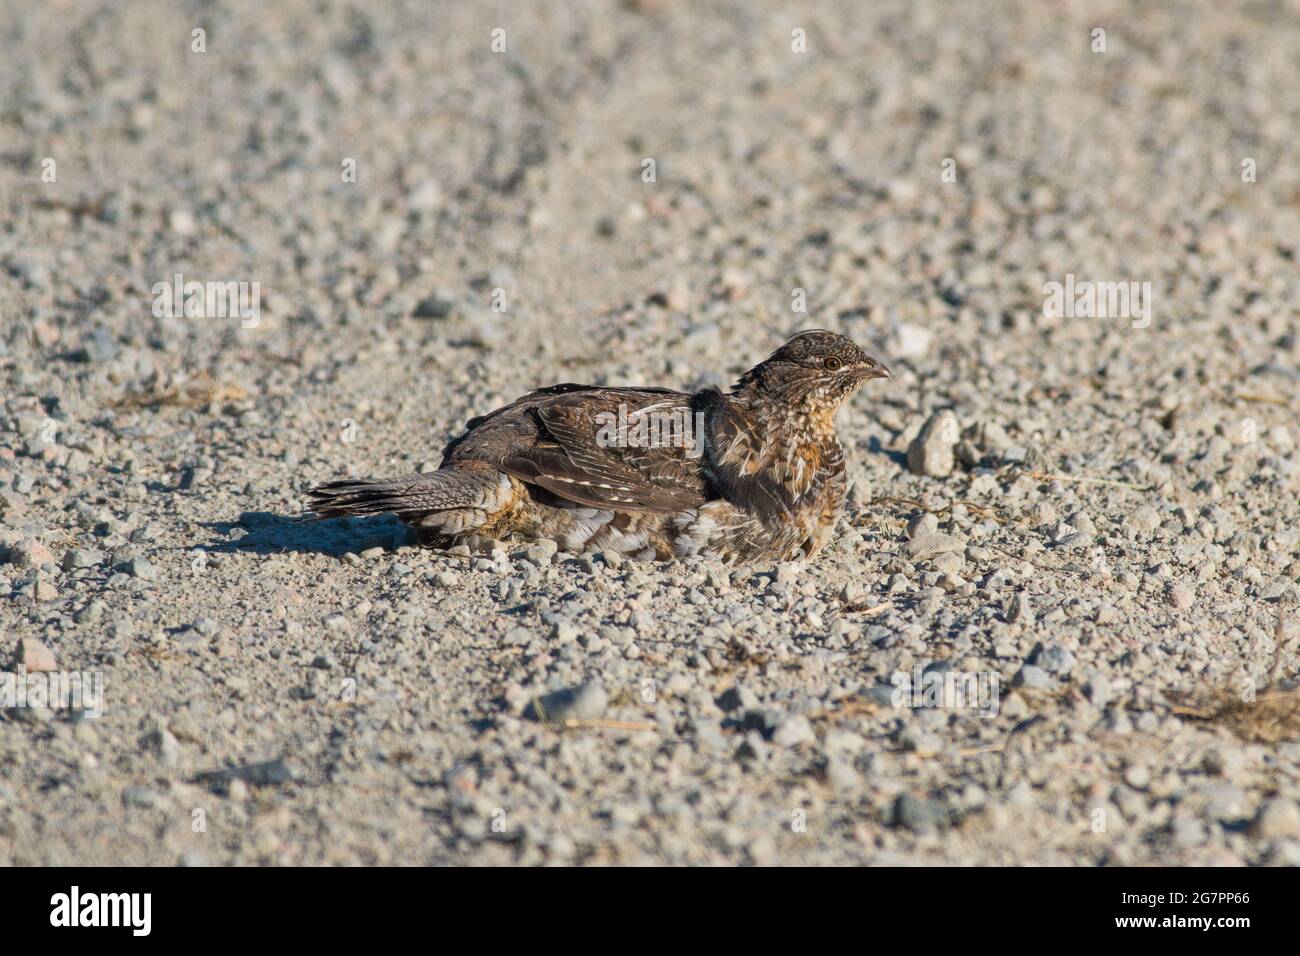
(263, 532)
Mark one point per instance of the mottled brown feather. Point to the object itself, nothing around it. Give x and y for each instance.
(755, 473)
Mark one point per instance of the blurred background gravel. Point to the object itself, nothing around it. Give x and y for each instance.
(1118, 528)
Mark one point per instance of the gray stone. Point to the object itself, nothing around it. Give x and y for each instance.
(935, 543)
(1137, 776)
(141, 797)
(139, 567)
(920, 814)
(79, 558)
(206, 627)
(922, 525)
(1055, 659)
(1145, 519)
(931, 452)
(918, 740)
(30, 553)
(841, 775)
(1226, 762)
(1278, 818)
(708, 734)
(163, 744)
(1225, 802)
(1032, 677)
(586, 701)
(1098, 688)
(1020, 609)
(1188, 832)
(793, 732)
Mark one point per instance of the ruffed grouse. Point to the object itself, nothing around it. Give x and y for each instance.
(755, 473)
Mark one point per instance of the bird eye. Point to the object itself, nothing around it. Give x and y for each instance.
(832, 364)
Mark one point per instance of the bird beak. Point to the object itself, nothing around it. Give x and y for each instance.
(878, 370)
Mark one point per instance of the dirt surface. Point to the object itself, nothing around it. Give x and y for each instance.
(1112, 547)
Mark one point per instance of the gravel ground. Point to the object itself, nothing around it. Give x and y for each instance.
(1093, 517)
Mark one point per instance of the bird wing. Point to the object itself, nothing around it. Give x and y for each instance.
(740, 460)
(623, 449)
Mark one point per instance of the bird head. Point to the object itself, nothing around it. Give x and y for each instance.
(816, 370)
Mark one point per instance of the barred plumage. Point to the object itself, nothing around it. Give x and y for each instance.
(755, 473)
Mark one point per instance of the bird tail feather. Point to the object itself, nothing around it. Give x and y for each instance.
(410, 497)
